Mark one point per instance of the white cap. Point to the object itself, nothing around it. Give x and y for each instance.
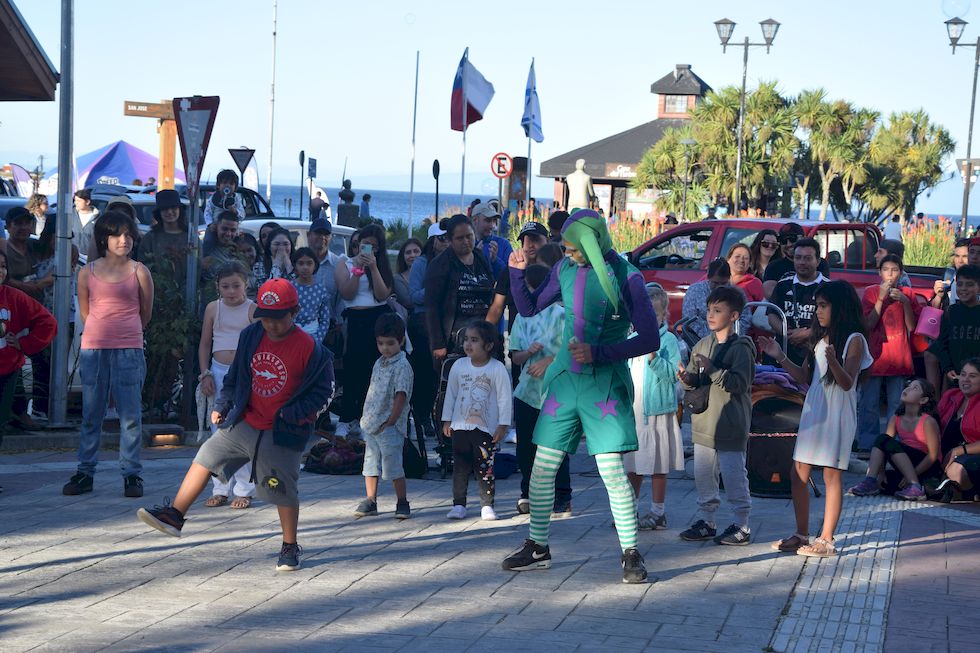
(436, 230)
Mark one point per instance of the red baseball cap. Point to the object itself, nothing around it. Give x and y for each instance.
(276, 297)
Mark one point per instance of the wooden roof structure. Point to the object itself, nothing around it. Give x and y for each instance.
(26, 73)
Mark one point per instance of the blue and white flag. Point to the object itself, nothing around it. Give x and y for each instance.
(531, 121)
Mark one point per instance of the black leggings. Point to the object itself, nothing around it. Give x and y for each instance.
(472, 455)
(426, 381)
(892, 446)
(359, 356)
(525, 417)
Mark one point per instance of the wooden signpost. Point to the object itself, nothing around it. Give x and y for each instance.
(167, 128)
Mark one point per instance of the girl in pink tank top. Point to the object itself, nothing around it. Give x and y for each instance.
(910, 443)
(224, 319)
(115, 301)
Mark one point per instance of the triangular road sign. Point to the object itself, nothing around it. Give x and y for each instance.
(195, 119)
(242, 157)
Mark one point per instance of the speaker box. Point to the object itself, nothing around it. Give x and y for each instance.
(768, 463)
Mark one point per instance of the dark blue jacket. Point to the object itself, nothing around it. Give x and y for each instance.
(295, 421)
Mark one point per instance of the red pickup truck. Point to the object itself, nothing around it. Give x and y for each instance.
(679, 257)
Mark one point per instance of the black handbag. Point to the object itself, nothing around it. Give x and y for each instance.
(696, 399)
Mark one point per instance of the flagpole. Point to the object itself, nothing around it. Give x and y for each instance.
(466, 123)
(272, 103)
(527, 200)
(411, 182)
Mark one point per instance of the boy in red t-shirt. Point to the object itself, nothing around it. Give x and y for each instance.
(278, 382)
(26, 328)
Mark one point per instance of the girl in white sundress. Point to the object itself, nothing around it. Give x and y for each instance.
(829, 419)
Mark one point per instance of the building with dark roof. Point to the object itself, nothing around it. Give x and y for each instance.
(612, 161)
(26, 73)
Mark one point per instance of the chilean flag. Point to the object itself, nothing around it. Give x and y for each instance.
(471, 88)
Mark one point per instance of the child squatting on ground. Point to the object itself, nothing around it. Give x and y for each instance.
(476, 415)
(655, 406)
(910, 443)
(278, 382)
(725, 362)
(384, 424)
(224, 320)
(829, 419)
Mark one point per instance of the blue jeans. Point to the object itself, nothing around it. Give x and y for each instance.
(119, 373)
(869, 408)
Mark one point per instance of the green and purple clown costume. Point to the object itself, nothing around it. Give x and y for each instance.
(602, 300)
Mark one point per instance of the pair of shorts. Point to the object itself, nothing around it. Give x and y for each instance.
(383, 454)
(276, 469)
(574, 404)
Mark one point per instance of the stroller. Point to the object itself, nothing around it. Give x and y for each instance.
(444, 448)
(774, 424)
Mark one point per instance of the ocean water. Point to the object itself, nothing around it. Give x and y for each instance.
(387, 205)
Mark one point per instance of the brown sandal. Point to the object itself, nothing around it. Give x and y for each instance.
(216, 501)
(820, 548)
(241, 503)
(791, 544)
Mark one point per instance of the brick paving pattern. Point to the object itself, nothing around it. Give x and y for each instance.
(82, 574)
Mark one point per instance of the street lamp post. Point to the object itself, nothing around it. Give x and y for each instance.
(687, 143)
(725, 28)
(954, 27)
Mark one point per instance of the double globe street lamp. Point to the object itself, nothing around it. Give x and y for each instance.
(954, 27)
(725, 28)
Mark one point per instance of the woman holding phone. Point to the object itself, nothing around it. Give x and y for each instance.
(365, 283)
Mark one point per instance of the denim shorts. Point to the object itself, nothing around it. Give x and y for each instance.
(383, 454)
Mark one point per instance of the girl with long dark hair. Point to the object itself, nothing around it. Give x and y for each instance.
(838, 354)
(765, 249)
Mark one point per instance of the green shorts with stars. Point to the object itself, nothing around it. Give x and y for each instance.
(575, 404)
(276, 468)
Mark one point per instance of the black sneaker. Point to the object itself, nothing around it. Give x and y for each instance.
(698, 532)
(403, 510)
(78, 484)
(633, 569)
(165, 518)
(562, 509)
(366, 508)
(289, 557)
(133, 486)
(734, 536)
(530, 556)
(523, 506)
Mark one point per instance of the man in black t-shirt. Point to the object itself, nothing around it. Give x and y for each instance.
(796, 296)
(533, 236)
(781, 268)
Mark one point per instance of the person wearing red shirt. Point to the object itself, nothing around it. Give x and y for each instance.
(890, 314)
(276, 386)
(740, 261)
(959, 416)
(26, 328)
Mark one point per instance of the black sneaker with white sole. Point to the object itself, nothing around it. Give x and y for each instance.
(530, 556)
(403, 510)
(78, 484)
(734, 536)
(165, 518)
(699, 531)
(633, 569)
(289, 557)
(133, 486)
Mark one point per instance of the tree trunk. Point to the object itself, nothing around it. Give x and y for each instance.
(826, 180)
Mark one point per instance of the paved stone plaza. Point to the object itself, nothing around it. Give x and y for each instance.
(82, 574)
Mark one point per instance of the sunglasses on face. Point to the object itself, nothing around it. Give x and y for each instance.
(788, 240)
(443, 238)
(768, 244)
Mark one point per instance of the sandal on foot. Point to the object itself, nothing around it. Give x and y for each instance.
(791, 544)
(216, 501)
(820, 548)
(241, 503)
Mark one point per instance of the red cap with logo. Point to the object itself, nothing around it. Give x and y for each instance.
(276, 297)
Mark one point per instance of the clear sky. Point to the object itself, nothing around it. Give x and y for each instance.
(345, 74)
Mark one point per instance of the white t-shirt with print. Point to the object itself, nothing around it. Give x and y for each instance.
(478, 398)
